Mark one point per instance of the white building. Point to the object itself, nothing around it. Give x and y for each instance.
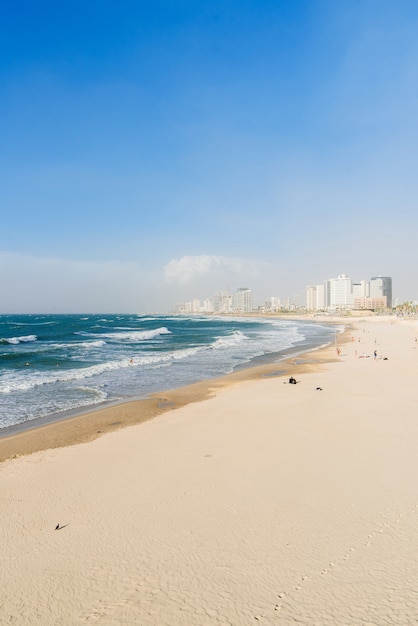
(242, 300)
(339, 292)
(361, 289)
(208, 305)
(222, 302)
(342, 293)
(196, 306)
(315, 297)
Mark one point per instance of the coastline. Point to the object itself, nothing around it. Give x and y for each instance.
(85, 425)
(256, 502)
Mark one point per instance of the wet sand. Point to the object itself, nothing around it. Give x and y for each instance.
(90, 424)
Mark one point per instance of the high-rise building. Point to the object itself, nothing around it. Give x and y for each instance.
(381, 286)
(272, 304)
(222, 302)
(338, 292)
(208, 305)
(242, 300)
(315, 295)
(361, 289)
(342, 293)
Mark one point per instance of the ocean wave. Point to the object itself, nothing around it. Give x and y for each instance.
(84, 397)
(133, 336)
(98, 343)
(37, 379)
(30, 323)
(233, 339)
(17, 340)
(95, 343)
(125, 328)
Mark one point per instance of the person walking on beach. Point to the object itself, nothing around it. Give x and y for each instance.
(375, 355)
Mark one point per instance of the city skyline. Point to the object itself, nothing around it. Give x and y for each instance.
(344, 293)
(333, 293)
(155, 150)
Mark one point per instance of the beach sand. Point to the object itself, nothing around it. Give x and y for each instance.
(251, 501)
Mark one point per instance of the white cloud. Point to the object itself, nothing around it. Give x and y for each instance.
(189, 268)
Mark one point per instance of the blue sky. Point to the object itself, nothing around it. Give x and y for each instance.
(153, 152)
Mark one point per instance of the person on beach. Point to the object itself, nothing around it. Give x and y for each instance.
(292, 381)
(375, 355)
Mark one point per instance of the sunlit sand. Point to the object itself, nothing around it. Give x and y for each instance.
(262, 502)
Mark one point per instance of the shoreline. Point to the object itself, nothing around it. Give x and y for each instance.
(246, 500)
(80, 426)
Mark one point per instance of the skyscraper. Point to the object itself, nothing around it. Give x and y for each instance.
(338, 292)
(242, 300)
(382, 286)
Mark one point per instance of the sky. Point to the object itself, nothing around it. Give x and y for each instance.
(156, 152)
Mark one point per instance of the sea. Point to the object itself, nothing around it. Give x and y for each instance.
(52, 366)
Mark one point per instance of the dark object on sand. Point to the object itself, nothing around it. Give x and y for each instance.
(292, 381)
(319, 389)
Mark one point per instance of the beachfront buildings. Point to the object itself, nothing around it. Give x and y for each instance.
(240, 301)
(381, 286)
(315, 297)
(341, 293)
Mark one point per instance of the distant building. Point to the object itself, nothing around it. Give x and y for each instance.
(381, 286)
(196, 308)
(361, 289)
(242, 300)
(370, 302)
(208, 305)
(342, 293)
(315, 297)
(272, 304)
(222, 302)
(338, 292)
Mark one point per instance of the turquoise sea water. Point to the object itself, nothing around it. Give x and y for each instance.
(52, 364)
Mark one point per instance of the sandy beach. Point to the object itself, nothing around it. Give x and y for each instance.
(243, 500)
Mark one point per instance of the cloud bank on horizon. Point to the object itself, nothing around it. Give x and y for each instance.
(189, 268)
(157, 152)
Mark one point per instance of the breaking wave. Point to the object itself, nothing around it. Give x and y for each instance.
(17, 340)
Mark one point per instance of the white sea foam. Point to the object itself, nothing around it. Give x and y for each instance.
(233, 339)
(17, 340)
(135, 335)
(32, 323)
(95, 343)
(103, 361)
(37, 379)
